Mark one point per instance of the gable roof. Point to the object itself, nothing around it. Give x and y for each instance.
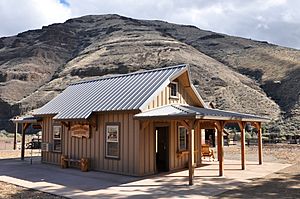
(131, 91)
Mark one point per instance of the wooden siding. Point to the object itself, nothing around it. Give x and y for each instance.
(49, 157)
(163, 98)
(94, 147)
(176, 160)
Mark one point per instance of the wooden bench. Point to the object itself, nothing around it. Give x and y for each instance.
(83, 163)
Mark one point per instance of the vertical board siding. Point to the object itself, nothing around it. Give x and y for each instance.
(176, 161)
(48, 156)
(163, 98)
(94, 147)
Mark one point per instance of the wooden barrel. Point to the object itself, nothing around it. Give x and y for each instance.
(63, 161)
(84, 164)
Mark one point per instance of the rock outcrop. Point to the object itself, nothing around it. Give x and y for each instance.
(235, 73)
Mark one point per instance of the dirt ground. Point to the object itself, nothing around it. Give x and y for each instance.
(282, 184)
(10, 191)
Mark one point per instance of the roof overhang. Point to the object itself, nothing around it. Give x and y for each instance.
(26, 119)
(175, 112)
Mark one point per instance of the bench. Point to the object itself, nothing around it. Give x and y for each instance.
(83, 163)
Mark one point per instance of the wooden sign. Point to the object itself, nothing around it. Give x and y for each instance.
(36, 126)
(80, 130)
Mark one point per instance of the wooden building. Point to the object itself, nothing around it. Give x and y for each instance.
(135, 124)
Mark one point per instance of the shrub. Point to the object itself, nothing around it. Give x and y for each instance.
(247, 136)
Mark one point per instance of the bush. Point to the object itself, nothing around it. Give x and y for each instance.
(238, 136)
(265, 139)
(247, 136)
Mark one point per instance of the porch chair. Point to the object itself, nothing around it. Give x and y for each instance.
(207, 152)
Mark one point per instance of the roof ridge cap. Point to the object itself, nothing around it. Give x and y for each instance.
(128, 74)
(177, 107)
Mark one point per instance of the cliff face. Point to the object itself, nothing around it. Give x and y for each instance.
(235, 73)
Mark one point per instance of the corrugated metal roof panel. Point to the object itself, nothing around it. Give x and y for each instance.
(121, 92)
(173, 111)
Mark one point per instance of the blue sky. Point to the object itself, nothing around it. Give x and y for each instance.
(64, 2)
(275, 21)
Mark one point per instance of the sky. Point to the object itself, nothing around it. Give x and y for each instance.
(275, 21)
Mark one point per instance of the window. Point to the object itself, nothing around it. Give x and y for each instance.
(182, 138)
(112, 141)
(56, 138)
(174, 90)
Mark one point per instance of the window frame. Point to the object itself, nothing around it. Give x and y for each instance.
(118, 138)
(179, 141)
(57, 139)
(176, 87)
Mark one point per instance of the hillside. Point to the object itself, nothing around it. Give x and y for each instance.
(235, 73)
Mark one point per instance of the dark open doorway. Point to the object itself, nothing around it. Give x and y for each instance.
(162, 149)
(210, 137)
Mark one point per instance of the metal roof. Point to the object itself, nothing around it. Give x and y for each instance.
(25, 119)
(191, 112)
(122, 92)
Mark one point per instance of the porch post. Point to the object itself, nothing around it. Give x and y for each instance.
(191, 156)
(23, 142)
(243, 157)
(15, 137)
(220, 128)
(190, 126)
(24, 127)
(259, 137)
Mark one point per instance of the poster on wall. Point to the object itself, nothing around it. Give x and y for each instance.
(80, 130)
(112, 141)
(112, 132)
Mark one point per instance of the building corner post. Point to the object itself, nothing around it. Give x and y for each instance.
(259, 137)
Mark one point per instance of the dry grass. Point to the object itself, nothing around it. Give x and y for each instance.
(5, 154)
(283, 153)
(13, 192)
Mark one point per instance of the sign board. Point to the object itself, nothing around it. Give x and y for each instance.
(36, 126)
(80, 130)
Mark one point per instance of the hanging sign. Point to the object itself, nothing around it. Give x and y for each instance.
(80, 130)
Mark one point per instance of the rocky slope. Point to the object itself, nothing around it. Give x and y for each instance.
(235, 73)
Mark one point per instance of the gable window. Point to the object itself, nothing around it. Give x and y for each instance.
(56, 137)
(182, 138)
(112, 139)
(174, 90)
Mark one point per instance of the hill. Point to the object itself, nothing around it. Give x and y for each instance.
(235, 73)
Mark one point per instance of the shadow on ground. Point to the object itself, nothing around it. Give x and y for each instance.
(282, 184)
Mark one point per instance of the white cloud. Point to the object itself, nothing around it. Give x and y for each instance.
(21, 15)
(276, 21)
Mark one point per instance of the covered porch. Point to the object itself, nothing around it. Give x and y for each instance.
(200, 118)
(25, 122)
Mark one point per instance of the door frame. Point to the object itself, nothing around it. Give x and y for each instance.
(168, 126)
